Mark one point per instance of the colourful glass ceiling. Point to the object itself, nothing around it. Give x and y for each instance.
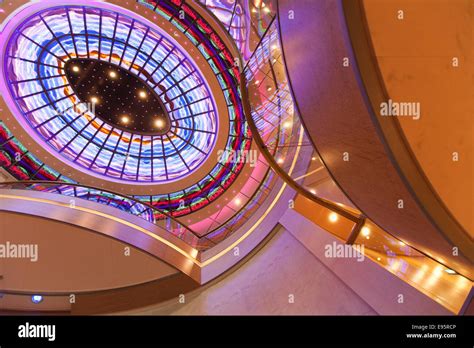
(23, 165)
(40, 49)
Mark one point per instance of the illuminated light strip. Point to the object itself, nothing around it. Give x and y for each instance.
(114, 218)
(308, 174)
(264, 215)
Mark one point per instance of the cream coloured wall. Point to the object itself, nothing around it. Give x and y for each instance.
(71, 258)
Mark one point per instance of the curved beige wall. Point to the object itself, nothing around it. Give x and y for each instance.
(71, 259)
(415, 59)
(262, 286)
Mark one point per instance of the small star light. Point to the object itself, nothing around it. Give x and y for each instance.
(159, 123)
(125, 119)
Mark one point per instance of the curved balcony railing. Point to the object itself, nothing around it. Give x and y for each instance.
(277, 127)
(224, 220)
(128, 204)
(279, 133)
(208, 234)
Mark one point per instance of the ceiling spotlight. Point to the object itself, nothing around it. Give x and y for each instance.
(112, 74)
(75, 68)
(450, 271)
(365, 231)
(238, 201)
(142, 94)
(280, 160)
(94, 100)
(269, 88)
(125, 119)
(160, 123)
(333, 217)
(313, 158)
(313, 191)
(286, 124)
(36, 299)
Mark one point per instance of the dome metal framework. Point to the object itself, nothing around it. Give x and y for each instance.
(68, 124)
(190, 107)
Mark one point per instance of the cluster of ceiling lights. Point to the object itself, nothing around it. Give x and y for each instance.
(158, 122)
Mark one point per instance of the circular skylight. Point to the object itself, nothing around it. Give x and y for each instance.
(111, 94)
(114, 147)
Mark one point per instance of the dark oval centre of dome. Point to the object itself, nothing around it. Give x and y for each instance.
(117, 96)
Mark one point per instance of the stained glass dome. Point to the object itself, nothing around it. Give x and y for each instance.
(44, 45)
(56, 54)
